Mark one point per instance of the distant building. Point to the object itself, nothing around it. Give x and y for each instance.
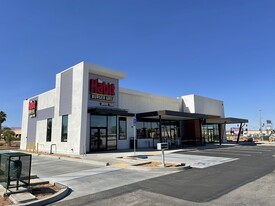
(17, 132)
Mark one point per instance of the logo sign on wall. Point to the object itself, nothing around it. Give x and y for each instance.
(102, 91)
(32, 108)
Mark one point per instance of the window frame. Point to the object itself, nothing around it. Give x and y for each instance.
(49, 131)
(64, 133)
(124, 120)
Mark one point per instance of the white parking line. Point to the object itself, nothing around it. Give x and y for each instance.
(238, 150)
(254, 149)
(221, 153)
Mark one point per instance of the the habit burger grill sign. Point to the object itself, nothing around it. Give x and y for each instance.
(32, 108)
(102, 91)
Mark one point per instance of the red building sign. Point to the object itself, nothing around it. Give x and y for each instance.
(32, 108)
(102, 91)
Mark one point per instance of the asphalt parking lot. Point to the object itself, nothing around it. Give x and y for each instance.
(225, 175)
(196, 186)
(86, 179)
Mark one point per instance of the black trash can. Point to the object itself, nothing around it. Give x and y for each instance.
(132, 143)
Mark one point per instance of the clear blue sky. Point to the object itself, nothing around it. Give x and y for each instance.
(223, 49)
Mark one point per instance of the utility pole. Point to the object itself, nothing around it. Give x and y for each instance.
(260, 114)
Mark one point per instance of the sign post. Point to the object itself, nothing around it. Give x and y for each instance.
(162, 147)
(135, 133)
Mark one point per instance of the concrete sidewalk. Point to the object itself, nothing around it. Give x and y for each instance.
(121, 158)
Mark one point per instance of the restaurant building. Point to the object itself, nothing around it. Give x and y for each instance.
(87, 111)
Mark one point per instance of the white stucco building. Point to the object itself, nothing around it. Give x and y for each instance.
(87, 111)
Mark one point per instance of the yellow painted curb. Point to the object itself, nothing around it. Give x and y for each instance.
(120, 165)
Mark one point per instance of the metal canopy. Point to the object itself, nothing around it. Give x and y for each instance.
(170, 115)
(227, 120)
(109, 111)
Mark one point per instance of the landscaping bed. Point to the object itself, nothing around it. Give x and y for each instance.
(40, 191)
(158, 164)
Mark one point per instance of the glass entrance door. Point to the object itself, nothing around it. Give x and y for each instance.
(210, 135)
(98, 138)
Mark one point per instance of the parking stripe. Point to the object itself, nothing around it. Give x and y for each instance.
(221, 153)
(245, 151)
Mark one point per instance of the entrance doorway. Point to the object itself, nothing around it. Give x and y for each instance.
(210, 133)
(98, 138)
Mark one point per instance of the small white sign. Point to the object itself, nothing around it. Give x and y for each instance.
(162, 146)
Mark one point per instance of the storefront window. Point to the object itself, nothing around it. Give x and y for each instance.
(122, 128)
(49, 130)
(151, 129)
(98, 121)
(64, 133)
(112, 132)
(210, 133)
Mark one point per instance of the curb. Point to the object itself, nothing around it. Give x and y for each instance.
(54, 198)
(159, 169)
(73, 159)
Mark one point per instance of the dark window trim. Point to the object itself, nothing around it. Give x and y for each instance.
(49, 131)
(64, 138)
(124, 120)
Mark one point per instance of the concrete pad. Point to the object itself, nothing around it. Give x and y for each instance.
(196, 161)
(22, 197)
(81, 174)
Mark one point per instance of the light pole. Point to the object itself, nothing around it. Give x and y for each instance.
(260, 114)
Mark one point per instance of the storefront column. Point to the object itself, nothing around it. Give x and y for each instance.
(201, 121)
(220, 134)
(239, 134)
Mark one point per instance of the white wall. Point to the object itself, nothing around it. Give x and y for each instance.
(188, 103)
(125, 144)
(75, 119)
(24, 126)
(205, 105)
(202, 105)
(41, 132)
(136, 101)
(46, 100)
(77, 126)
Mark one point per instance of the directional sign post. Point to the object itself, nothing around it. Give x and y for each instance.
(134, 125)
(162, 147)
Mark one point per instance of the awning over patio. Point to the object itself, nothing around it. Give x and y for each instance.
(227, 120)
(108, 111)
(170, 115)
(163, 115)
